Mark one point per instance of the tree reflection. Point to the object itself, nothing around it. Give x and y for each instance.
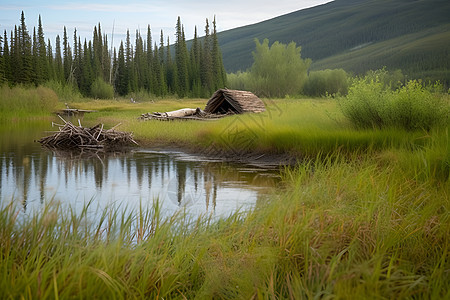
(38, 175)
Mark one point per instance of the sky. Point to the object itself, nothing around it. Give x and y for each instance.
(138, 14)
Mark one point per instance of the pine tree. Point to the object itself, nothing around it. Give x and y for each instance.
(181, 60)
(59, 71)
(36, 69)
(87, 74)
(23, 46)
(114, 69)
(150, 74)
(194, 71)
(50, 61)
(106, 59)
(129, 64)
(121, 79)
(42, 71)
(97, 53)
(140, 63)
(206, 63)
(67, 59)
(219, 73)
(159, 55)
(161, 48)
(2, 67)
(171, 71)
(159, 87)
(77, 53)
(6, 59)
(16, 62)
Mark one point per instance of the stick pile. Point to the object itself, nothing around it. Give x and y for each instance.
(72, 137)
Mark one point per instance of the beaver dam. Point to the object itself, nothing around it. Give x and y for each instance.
(70, 137)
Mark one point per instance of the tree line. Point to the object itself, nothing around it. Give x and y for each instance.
(91, 66)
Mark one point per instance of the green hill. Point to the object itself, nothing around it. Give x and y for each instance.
(356, 35)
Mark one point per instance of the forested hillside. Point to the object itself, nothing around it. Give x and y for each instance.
(356, 35)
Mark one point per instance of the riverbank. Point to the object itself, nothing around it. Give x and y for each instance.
(365, 215)
(289, 131)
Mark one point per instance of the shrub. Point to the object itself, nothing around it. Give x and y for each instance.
(415, 107)
(277, 70)
(331, 82)
(389, 79)
(238, 81)
(102, 90)
(371, 103)
(364, 104)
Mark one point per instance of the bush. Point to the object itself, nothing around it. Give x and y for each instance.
(277, 70)
(415, 107)
(371, 103)
(102, 90)
(326, 82)
(389, 79)
(238, 81)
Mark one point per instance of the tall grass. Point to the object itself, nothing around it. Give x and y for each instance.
(302, 128)
(26, 102)
(366, 215)
(305, 128)
(341, 229)
(66, 92)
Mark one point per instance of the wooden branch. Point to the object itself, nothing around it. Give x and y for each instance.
(72, 137)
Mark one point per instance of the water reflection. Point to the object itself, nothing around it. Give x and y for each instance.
(32, 176)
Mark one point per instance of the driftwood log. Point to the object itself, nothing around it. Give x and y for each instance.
(180, 114)
(70, 137)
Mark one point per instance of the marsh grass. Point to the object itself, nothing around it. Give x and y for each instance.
(26, 102)
(341, 228)
(306, 129)
(366, 215)
(303, 128)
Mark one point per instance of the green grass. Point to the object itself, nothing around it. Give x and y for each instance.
(26, 102)
(148, 133)
(302, 128)
(365, 215)
(341, 228)
(305, 129)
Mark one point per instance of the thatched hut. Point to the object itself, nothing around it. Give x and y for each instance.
(225, 101)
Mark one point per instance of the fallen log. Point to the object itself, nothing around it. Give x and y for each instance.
(180, 114)
(71, 137)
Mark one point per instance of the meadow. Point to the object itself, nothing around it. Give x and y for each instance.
(363, 214)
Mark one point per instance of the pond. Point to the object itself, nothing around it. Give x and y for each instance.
(31, 176)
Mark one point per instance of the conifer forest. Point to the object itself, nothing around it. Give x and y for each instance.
(90, 66)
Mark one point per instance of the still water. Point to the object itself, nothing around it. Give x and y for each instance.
(31, 176)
